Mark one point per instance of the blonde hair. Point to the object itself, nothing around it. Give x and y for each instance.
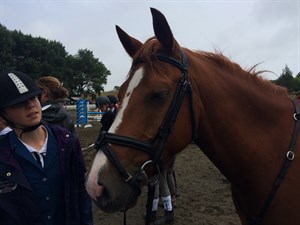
(53, 87)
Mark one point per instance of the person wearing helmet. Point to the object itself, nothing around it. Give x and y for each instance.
(113, 103)
(52, 111)
(108, 116)
(41, 167)
(103, 103)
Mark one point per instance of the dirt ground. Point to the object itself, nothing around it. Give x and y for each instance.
(205, 197)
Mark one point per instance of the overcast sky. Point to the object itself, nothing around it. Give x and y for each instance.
(248, 32)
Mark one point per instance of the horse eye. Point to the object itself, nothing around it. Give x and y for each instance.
(159, 96)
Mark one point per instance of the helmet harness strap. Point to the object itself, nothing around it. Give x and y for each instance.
(24, 129)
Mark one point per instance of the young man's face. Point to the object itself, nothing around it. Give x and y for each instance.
(103, 108)
(26, 113)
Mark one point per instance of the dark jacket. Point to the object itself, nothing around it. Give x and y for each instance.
(18, 202)
(107, 120)
(54, 113)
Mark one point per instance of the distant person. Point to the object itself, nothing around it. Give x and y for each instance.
(172, 182)
(42, 178)
(162, 190)
(166, 189)
(103, 104)
(53, 111)
(114, 103)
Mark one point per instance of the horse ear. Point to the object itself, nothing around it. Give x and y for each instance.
(130, 44)
(162, 29)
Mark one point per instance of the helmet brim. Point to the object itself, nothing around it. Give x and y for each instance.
(23, 98)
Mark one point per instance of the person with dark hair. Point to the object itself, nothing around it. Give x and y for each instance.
(53, 111)
(108, 116)
(42, 176)
(114, 103)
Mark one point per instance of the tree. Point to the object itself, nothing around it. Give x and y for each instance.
(89, 74)
(287, 80)
(297, 83)
(6, 46)
(116, 88)
(34, 56)
(82, 74)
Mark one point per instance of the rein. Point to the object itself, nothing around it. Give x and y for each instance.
(155, 148)
(290, 155)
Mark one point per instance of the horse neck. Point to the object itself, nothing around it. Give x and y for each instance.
(239, 122)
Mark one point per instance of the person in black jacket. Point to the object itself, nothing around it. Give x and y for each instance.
(108, 116)
(114, 103)
(53, 111)
(42, 171)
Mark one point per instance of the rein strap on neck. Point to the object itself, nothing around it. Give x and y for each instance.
(289, 158)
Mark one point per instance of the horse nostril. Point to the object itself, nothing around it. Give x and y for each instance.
(99, 183)
(94, 189)
(99, 191)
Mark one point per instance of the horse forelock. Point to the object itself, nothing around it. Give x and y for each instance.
(150, 48)
(146, 55)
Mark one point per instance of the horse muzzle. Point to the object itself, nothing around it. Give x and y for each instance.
(116, 195)
(108, 190)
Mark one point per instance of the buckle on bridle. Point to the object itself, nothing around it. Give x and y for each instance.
(296, 116)
(144, 177)
(128, 178)
(290, 155)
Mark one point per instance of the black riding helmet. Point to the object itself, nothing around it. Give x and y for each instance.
(113, 99)
(103, 100)
(16, 87)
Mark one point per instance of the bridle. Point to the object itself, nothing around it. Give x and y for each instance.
(153, 148)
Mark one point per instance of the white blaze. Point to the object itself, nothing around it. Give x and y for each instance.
(92, 187)
(100, 160)
(132, 85)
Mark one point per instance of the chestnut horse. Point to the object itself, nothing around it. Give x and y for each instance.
(244, 124)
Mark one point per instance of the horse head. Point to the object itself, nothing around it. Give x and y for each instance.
(151, 124)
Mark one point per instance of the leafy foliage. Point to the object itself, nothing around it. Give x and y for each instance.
(82, 74)
(287, 80)
(116, 88)
(88, 75)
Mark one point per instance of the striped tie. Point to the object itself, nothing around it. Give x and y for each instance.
(39, 158)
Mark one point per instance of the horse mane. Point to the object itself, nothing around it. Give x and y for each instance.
(149, 49)
(221, 61)
(226, 64)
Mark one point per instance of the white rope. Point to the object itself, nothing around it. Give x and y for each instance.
(90, 146)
